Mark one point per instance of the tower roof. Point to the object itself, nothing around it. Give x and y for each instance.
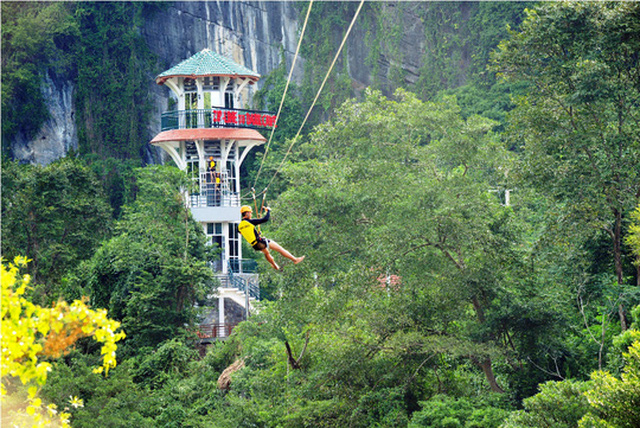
(207, 63)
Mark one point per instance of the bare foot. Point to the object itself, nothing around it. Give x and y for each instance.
(299, 259)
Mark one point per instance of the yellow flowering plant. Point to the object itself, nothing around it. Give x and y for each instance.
(31, 333)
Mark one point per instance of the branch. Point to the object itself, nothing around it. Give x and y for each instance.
(304, 348)
(542, 369)
(295, 364)
(446, 252)
(584, 317)
(417, 247)
(415, 373)
(292, 362)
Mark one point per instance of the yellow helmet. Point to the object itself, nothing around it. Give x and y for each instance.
(245, 209)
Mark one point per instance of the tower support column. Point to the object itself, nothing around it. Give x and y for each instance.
(221, 323)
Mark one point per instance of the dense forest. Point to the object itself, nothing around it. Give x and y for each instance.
(472, 241)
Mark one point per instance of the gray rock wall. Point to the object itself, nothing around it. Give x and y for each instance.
(58, 135)
(255, 34)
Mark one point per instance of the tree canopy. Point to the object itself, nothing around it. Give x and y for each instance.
(464, 266)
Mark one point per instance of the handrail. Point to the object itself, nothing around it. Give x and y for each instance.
(243, 266)
(213, 193)
(217, 117)
(213, 331)
(244, 278)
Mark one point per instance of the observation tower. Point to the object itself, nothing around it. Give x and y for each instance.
(208, 134)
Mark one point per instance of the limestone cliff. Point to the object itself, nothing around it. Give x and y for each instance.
(58, 135)
(251, 33)
(392, 45)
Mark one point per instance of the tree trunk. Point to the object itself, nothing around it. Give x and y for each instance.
(617, 257)
(617, 246)
(485, 365)
(292, 361)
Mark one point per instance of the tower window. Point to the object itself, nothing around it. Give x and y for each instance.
(228, 100)
(216, 238)
(189, 84)
(212, 83)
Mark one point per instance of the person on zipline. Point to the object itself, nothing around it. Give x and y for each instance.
(247, 228)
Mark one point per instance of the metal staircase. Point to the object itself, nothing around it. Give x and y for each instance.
(241, 286)
(241, 283)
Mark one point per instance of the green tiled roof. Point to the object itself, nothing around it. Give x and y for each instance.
(207, 63)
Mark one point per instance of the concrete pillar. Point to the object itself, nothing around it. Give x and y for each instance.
(221, 331)
(200, 102)
(226, 248)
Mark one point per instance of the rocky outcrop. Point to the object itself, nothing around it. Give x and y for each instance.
(253, 34)
(224, 380)
(256, 34)
(58, 135)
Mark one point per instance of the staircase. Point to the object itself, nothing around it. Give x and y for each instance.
(235, 290)
(241, 286)
(241, 283)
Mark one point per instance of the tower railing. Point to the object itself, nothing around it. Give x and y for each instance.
(243, 276)
(214, 331)
(243, 266)
(214, 191)
(217, 117)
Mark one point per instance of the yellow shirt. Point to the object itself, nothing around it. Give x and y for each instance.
(249, 232)
(247, 228)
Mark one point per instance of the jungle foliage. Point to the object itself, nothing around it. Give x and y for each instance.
(470, 261)
(95, 45)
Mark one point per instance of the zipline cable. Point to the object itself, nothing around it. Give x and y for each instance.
(286, 88)
(317, 95)
(355, 16)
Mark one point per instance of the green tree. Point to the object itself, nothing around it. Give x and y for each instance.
(112, 93)
(151, 272)
(115, 400)
(414, 282)
(400, 187)
(615, 400)
(56, 213)
(577, 126)
(31, 32)
(558, 404)
(633, 237)
(445, 411)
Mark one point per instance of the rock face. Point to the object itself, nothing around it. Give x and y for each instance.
(58, 135)
(255, 34)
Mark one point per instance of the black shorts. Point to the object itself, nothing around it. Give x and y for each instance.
(261, 245)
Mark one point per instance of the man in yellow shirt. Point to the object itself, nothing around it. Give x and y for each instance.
(247, 228)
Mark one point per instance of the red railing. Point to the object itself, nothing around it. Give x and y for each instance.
(214, 331)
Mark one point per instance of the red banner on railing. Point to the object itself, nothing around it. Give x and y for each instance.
(243, 119)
